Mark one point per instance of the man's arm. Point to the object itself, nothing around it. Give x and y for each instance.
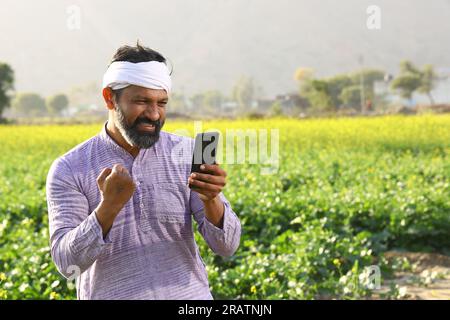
(218, 224)
(117, 187)
(214, 211)
(77, 236)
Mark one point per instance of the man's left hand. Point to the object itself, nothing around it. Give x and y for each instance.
(209, 183)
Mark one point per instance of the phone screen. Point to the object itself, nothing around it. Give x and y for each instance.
(204, 150)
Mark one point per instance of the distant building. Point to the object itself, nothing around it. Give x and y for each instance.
(291, 101)
(263, 105)
(229, 107)
(291, 104)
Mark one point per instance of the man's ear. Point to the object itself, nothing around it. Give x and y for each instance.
(108, 96)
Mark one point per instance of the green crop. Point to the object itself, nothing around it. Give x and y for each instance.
(346, 190)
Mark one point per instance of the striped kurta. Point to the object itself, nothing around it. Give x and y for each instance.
(150, 251)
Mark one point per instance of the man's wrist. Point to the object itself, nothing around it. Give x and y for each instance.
(211, 201)
(109, 207)
(106, 214)
(215, 211)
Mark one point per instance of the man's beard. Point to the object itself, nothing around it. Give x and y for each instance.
(132, 135)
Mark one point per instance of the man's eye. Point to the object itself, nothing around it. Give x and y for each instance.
(162, 104)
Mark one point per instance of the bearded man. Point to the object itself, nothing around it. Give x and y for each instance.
(120, 209)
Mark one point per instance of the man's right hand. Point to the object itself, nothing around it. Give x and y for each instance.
(117, 187)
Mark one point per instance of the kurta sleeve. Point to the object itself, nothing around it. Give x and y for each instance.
(76, 237)
(223, 241)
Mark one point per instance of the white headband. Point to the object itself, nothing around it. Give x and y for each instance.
(151, 74)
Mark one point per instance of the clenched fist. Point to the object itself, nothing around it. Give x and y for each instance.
(117, 187)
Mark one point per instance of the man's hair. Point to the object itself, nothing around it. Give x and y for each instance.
(136, 54)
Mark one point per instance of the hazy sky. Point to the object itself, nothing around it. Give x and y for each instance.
(213, 42)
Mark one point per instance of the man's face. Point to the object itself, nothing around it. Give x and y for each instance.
(140, 114)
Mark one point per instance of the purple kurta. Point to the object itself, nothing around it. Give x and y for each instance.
(150, 251)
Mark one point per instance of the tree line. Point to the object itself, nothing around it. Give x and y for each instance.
(27, 104)
(357, 90)
(354, 90)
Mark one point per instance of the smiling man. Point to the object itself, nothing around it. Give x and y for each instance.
(120, 210)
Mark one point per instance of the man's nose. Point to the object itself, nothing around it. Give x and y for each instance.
(152, 113)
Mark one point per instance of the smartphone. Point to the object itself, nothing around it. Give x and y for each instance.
(205, 149)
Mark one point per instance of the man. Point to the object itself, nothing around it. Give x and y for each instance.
(120, 209)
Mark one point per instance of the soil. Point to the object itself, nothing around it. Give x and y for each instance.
(429, 278)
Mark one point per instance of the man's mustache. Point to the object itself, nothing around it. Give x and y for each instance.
(156, 123)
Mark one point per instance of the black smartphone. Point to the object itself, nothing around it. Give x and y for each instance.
(205, 149)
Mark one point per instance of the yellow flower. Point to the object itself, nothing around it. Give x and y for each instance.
(336, 262)
(53, 295)
(2, 276)
(253, 289)
(272, 274)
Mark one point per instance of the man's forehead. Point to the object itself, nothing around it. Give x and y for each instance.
(137, 91)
